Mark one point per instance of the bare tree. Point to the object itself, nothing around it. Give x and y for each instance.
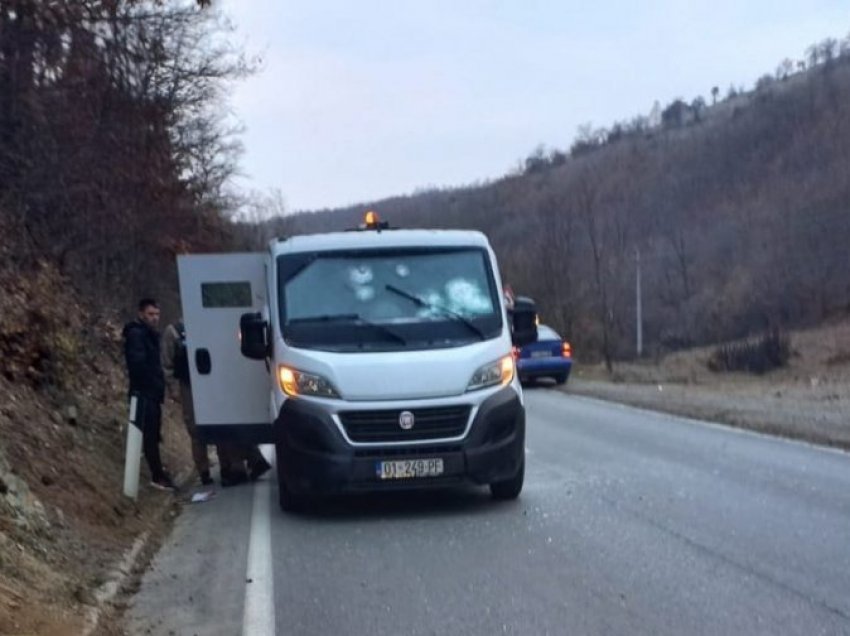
(587, 205)
(813, 55)
(828, 49)
(261, 218)
(113, 151)
(844, 47)
(785, 68)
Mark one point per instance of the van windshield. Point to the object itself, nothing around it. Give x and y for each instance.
(388, 299)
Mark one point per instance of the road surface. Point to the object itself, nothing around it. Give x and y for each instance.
(630, 522)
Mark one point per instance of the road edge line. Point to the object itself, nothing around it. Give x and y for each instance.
(258, 618)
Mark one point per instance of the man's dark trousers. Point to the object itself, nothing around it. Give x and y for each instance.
(149, 420)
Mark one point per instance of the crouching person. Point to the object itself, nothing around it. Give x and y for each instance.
(238, 462)
(241, 463)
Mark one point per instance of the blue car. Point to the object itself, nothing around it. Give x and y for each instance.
(549, 357)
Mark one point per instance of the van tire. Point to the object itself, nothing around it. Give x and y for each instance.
(510, 488)
(289, 502)
(561, 379)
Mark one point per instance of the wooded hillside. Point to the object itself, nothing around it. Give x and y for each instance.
(740, 213)
(115, 155)
(114, 152)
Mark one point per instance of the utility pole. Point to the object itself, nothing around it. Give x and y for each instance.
(639, 326)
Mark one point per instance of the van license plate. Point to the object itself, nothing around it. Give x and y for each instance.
(541, 354)
(409, 468)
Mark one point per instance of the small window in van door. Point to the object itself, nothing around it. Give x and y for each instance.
(236, 294)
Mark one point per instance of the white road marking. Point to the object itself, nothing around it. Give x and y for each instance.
(259, 619)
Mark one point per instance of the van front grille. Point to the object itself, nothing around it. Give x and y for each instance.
(383, 426)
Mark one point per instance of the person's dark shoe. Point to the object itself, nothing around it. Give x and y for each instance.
(233, 478)
(164, 483)
(259, 469)
(206, 479)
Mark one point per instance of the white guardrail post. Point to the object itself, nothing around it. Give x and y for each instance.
(132, 458)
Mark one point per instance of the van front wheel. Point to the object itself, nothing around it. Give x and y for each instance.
(289, 502)
(510, 488)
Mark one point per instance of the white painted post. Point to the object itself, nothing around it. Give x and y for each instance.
(132, 457)
(638, 302)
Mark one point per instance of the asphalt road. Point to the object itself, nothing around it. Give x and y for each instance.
(630, 522)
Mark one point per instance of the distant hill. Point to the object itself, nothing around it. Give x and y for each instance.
(740, 212)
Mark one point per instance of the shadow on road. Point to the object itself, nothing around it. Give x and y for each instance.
(458, 501)
(540, 384)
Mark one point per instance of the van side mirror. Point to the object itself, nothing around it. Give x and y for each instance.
(523, 322)
(252, 336)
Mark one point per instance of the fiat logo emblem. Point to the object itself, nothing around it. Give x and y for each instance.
(406, 420)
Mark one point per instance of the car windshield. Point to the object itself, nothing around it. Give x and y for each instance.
(388, 299)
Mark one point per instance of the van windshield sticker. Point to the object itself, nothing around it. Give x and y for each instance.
(230, 294)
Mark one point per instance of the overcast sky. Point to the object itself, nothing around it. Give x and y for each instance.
(363, 99)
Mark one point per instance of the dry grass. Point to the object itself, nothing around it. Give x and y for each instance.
(809, 399)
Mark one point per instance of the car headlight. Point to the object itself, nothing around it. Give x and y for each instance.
(500, 371)
(294, 382)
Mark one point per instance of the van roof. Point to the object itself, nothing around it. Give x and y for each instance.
(371, 239)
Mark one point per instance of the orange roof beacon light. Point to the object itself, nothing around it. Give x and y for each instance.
(371, 221)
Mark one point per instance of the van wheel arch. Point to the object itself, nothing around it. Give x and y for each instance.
(509, 488)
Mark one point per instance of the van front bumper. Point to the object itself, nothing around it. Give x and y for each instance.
(314, 458)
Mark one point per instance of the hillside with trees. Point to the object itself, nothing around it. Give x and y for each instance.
(739, 212)
(115, 155)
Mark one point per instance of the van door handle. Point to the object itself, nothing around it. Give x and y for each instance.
(203, 362)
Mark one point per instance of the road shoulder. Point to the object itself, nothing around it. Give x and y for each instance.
(818, 414)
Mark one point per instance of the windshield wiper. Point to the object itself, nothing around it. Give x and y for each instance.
(354, 318)
(434, 307)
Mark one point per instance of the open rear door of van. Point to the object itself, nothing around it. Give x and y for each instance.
(230, 392)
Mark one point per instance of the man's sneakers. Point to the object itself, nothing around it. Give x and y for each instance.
(164, 483)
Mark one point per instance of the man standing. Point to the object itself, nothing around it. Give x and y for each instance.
(147, 383)
(175, 362)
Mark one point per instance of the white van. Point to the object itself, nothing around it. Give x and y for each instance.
(372, 359)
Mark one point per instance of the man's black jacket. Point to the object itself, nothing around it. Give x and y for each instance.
(141, 351)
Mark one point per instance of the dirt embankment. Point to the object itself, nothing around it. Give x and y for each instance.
(63, 520)
(808, 400)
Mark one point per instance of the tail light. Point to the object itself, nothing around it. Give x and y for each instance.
(566, 349)
(515, 352)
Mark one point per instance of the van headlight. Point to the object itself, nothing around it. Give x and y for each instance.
(294, 382)
(500, 371)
